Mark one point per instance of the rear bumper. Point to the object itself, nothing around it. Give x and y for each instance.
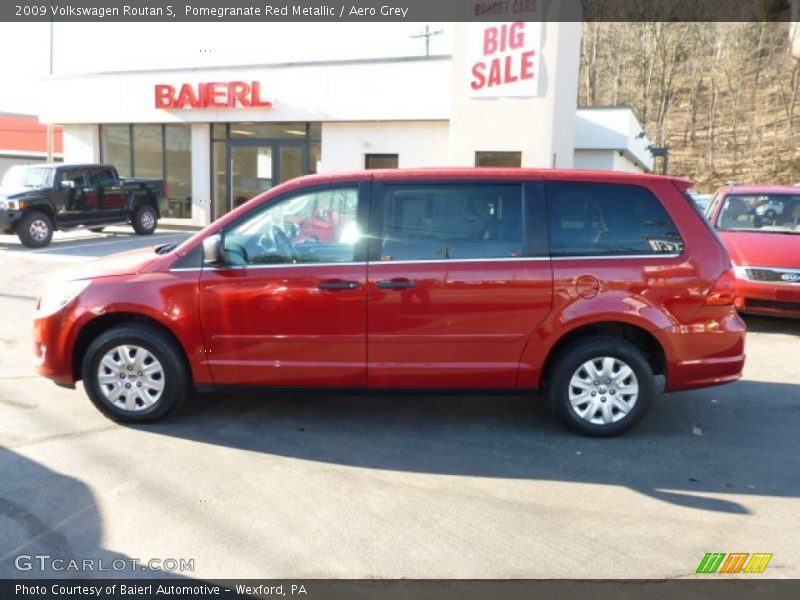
(771, 299)
(711, 353)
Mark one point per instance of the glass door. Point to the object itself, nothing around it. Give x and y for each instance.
(255, 166)
(252, 171)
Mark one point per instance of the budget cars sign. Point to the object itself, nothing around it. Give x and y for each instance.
(504, 59)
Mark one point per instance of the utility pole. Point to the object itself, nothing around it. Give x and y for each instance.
(50, 140)
(794, 29)
(427, 34)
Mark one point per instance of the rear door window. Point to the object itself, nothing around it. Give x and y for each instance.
(598, 219)
(451, 221)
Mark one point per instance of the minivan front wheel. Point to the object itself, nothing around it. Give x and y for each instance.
(601, 387)
(134, 374)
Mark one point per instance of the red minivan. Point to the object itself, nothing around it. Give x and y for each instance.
(586, 285)
(760, 226)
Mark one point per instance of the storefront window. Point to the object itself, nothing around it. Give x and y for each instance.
(314, 157)
(160, 152)
(219, 179)
(148, 151)
(178, 165)
(381, 161)
(268, 130)
(115, 150)
(498, 159)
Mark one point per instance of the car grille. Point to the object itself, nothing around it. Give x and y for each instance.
(774, 304)
(772, 275)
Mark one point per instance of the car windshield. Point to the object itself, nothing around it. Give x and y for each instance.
(28, 176)
(777, 213)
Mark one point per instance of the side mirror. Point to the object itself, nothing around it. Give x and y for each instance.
(213, 253)
(68, 184)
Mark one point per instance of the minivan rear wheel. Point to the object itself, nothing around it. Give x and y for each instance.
(601, 387)
(134, 374)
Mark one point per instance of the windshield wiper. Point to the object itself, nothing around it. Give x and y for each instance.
(165, 248)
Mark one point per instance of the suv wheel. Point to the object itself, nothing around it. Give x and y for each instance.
(601, 387)
(145, 220)
(35, 230)
(134, 374)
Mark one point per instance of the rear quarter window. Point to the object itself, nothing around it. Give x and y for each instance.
(599, 219)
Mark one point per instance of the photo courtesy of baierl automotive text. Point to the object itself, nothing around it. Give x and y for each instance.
(455, 285)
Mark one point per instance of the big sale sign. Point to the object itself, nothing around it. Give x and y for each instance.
(505, 59)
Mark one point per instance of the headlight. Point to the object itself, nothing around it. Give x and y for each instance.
(10, 204)
(2, 204)
(57, 294)
(741, 272)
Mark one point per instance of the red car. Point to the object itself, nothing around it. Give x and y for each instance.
(587, 285)
(760, 226)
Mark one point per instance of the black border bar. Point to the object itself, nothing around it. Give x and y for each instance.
(355, 11)
(709, 588)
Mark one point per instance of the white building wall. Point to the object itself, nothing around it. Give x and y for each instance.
(542, 128)
(201, 175)
(402, 89)
(614, 128)
(417, 143)
(82, 143)
(594, 160)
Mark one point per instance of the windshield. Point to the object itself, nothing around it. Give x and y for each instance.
(779, 213)
(28, 176)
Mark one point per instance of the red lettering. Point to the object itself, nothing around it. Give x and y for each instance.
(503, 38)
(510, 78)
(256, 96)
(211, 95)
(215, 95)
(516, 34)
(494, 73)
(489, 41)
(165, 96)
(238, 90)
(479, 79)
(527, 71)
(187, 96)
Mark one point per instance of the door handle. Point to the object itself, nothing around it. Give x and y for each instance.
(338, 284)
(399, 283)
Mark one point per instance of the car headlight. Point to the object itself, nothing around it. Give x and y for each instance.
(740, 271)
(57, 294)
(2, 204)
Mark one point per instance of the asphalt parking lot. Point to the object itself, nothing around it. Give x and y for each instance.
(315, 486)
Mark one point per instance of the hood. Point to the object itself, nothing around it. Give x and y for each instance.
(123, 263)
(763, 249)
(14, 192)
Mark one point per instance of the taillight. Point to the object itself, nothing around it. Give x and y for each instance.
(723, 292)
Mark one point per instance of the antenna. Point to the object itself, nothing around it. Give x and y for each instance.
(427, 34)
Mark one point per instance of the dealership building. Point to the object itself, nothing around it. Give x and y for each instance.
(222, 134)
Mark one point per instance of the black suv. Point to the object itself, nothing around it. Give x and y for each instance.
(35, 200)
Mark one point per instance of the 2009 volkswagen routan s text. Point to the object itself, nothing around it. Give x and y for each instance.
(586, 285)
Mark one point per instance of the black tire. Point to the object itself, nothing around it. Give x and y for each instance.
(96, 229)
(35, 229)
(571, 362)
(169, 357)
(145, 220)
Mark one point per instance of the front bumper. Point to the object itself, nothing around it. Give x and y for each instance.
(53, 344)
(768, 298)
(8, 219)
